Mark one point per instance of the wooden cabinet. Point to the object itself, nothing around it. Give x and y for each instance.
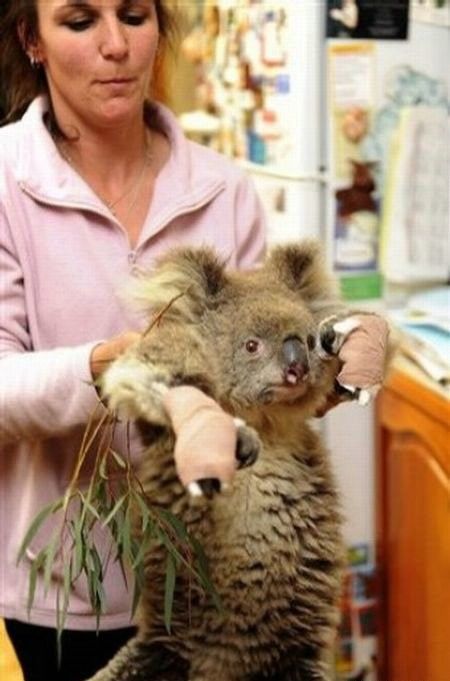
(413, 528)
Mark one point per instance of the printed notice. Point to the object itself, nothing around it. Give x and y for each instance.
(415, 226)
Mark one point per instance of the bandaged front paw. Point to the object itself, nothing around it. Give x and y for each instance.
(206, 437)
(363, 355)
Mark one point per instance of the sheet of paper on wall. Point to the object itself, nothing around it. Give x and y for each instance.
(415, 242)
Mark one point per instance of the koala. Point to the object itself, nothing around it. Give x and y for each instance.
(254, 341)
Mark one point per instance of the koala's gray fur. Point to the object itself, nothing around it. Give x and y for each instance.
(273, 537)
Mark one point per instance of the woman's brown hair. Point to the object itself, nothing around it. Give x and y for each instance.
(20, 81)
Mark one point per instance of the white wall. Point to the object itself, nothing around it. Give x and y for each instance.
(349, 432)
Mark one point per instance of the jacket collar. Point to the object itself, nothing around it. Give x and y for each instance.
(45, 175)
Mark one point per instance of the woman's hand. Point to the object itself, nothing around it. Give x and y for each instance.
(104, 353)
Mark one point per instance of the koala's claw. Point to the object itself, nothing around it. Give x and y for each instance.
(332, 334)
(206, 487)
(248, 445)
(328, 339)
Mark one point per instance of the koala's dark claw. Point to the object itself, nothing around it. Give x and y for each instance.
(328, 339)
(209, 486)
(245, 459)
(345, 393)
(247, 447)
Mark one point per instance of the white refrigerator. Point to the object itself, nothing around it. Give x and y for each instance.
(280, 89)
(300, 111)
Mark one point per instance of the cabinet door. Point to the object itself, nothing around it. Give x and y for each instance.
(418, 567)
(414, 543)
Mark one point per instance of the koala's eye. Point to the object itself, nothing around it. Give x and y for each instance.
(252, 346)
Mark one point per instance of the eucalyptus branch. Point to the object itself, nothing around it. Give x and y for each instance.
(156, 318)
(116, 500)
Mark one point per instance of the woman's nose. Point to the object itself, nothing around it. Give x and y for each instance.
(114, 39)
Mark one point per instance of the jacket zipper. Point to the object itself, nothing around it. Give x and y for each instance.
(185, 209)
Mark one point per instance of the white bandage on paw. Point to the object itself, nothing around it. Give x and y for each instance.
(346, 326)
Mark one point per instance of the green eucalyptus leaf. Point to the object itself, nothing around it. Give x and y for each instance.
(102, 469)
(36, 566)
(169, 590)
(204, 573)
(79, 546)
(125, 536)
(170, 546)
(66, 589)
(175, 523)
(137, 590)
(120, 461)
(142, 548)
(36, 524)
(116, 507)
(87, 506)
(144, 511)
(50, 554)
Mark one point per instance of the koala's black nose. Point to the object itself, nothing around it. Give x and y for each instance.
(295, 358)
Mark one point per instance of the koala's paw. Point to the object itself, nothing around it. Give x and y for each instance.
(248, 444)
(133, 390)
(332, 334)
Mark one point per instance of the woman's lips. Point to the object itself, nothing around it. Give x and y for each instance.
(115, 81)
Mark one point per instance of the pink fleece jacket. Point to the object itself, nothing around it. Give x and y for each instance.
(63, 261)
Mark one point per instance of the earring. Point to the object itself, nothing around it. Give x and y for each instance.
(34, 61)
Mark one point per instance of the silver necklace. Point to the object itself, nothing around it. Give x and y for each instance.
(134, 186)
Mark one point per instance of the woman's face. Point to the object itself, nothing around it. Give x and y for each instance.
(98, 56)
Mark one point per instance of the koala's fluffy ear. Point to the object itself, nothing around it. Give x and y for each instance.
(185, 283)
(302, 269)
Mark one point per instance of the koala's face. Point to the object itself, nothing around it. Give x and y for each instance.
(265, 346)
(256, 329)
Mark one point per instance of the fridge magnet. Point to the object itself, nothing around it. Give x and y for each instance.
(274, 38)
(386, 20)
(431, 11)
(342, 18)
(367, 618)
(357, 221)
(358, 554)
(344, 656)
(364, 584)
(351, 86)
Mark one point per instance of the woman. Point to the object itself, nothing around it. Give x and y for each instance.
(95, 180)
